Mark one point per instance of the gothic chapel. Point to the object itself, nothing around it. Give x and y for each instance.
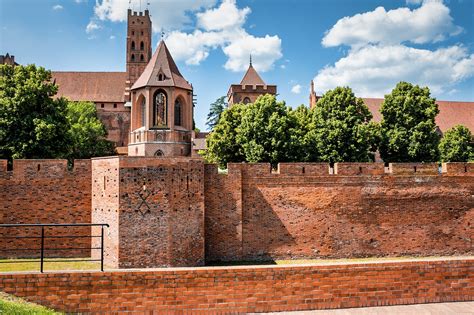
(162, 109)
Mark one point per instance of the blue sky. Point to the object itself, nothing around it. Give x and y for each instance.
(366, 44)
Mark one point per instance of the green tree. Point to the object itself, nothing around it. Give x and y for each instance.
(457, 145)
(341, 130)
(87, 134)
(215, 112)
(303, 145)
(408, 128)
(222, 144)
(265, 132)
(32, 122)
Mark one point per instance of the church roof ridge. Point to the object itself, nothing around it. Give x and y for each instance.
(162, 62)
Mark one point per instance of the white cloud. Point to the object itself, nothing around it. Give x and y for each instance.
(431, 22)
(57, 7)
(374, 70)
(226, 16)
(216, 27)
(165, 14)
(92, 26)
(264, 50)
(296, 89)
(380, 57)
(222, 27)
(112, 37)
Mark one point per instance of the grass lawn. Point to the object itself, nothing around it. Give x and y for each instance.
(34, 265)
(12, 305)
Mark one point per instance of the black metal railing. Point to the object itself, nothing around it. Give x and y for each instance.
(46, 248)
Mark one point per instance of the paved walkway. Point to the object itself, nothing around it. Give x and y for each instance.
(458, 308)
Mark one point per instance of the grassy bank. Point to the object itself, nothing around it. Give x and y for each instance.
(12, 305)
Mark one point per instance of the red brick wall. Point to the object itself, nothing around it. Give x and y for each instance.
(164, 229)
(248, 289)
(45, 191)
(303, 212)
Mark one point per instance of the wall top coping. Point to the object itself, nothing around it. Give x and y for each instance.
(394, 262)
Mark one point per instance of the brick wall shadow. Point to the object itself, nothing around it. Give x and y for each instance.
(265, 236)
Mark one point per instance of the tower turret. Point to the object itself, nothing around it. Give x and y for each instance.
(139, 37)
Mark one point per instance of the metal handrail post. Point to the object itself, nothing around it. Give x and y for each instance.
(102, 248)
(42, 249)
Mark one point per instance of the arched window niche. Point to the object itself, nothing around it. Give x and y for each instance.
(142, 46)
(246, 100)
(160, 109)
(133, 45)
(143, 112)
(178, 112)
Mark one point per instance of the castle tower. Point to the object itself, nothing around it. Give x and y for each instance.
(313, 98)
(139, 36)
(162, 109)
(250, 88)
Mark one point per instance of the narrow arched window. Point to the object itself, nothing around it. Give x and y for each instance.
(177, 112)
(246, 100)
(142, 58)
(133, 57)
(133, 45)
(143, 112)
(160, 109)
(159, 153)
(142, 46)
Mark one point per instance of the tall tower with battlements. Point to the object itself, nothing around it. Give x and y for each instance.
(139, 37)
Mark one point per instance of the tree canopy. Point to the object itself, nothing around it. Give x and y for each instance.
(86, 134)
(215, 112)
(265, 131)
(341, 128)
(408, 128)
(457, 145)
(32, 123)
(35, 124)
(222, 144)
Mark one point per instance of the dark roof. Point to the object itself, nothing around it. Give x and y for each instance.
(251, 77)
(451, 113)
(91, 86)
(162, 63)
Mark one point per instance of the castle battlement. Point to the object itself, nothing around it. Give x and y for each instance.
(346, 169)
(33, 169)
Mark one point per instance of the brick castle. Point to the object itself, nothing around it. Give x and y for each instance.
(178, 211)
(148, 109)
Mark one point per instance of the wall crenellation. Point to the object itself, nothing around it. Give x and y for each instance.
(44, 168)
(348, 169)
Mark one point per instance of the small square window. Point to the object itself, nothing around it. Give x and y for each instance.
(102, 105)
(142, 32)
(133, 32)
(115, 105)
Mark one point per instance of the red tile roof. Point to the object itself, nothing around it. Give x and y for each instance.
(91, 86)
(162, 63)
(451, 113)
(251, 77)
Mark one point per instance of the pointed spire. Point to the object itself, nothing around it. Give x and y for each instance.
(250, 60)
(161, 63)
(312, 86)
